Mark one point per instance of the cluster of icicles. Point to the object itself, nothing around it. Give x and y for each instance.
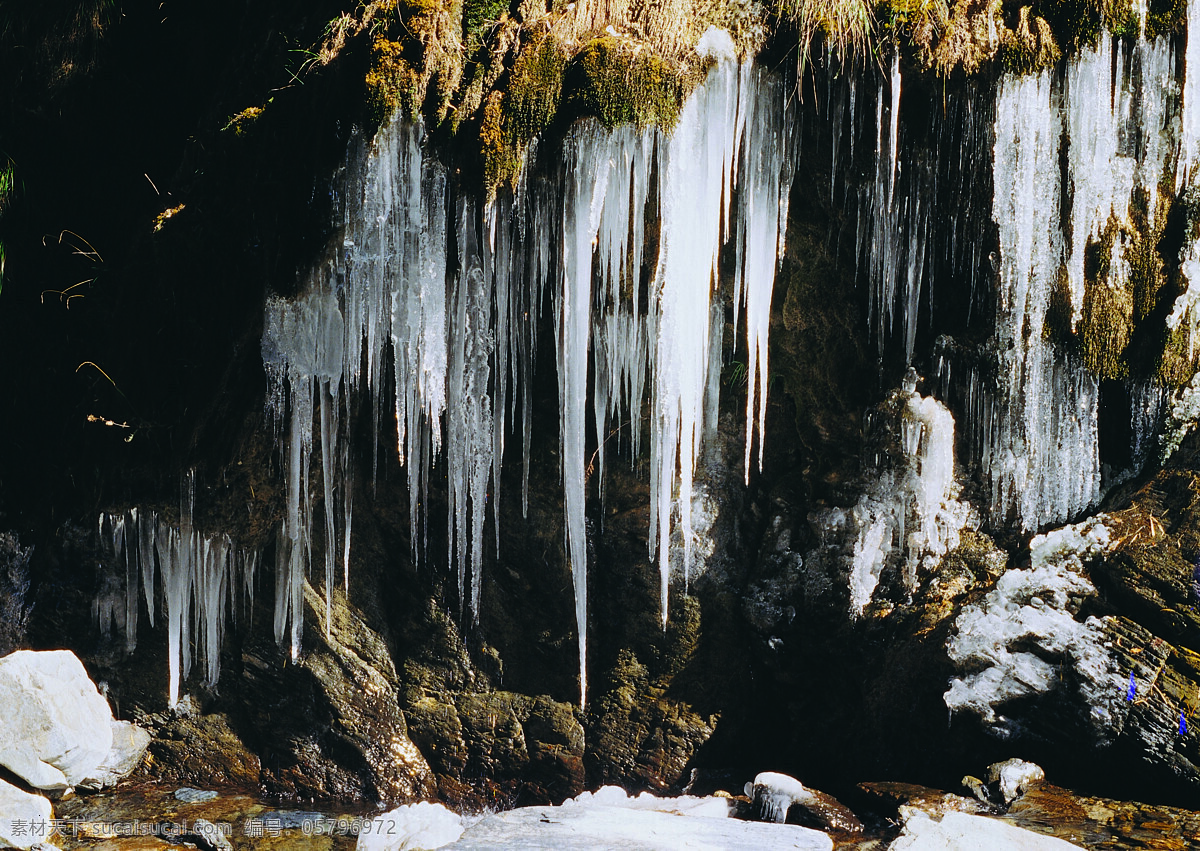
(462, 331)
(203, 578)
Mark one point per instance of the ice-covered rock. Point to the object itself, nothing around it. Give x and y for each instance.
(774, 793)
(609, 818)
(24, 818)
(1013, 643)
(57, 726)
(1013, 777)
(129, 743)
(962, 832)
(422, 825)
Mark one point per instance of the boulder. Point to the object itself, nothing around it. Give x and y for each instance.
(24, 818)
(57, 727)
(129, 743)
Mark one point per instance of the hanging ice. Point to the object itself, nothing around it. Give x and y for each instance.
(462, 334)
(205, 580)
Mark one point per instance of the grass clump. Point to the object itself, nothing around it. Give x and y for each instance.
(1031, 47)
(620, 84)
(478, 18)
(845, 27)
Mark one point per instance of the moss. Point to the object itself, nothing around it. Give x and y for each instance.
(1177, 364)
(241, 123)
(620, 84)
(1147, 273)
(1106, 328)
(535, 90)
(1031, 47)
(1075, 23)
(1059, 325)
(500, 158)
(392, 83)
(1166, 17)
(968, 42)
(1107, 322)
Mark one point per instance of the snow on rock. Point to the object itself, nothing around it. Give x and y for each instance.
(962, 832)
(57, 726)
(609, 818)
(1014, 777)
(129, 743)
(1015, 640)
(422, 825)
(774, 793)
(24, 818)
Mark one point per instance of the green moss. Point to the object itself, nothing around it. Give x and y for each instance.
(1106, 328)
(1107, 322)
(1075, 23)
(1166, 17)
(240, 123)
(1176, 364)
(478, 18)
(392, 83)
(1147, 275)
(620, 84)
(535, 90)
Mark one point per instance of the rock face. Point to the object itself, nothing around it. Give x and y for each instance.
(17, 811)
(57, 727)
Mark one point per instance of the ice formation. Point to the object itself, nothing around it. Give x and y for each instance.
(910, 510)
(412, 826)
(773, 794)
(463, 331)
(196, 581)
(1013, 642)
(1101, 137)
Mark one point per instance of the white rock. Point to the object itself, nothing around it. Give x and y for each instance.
(962, 832)
(24, 818)
(56, 728)
(129, 743)
(412, 826)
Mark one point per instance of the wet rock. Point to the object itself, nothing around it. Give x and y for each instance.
(194, 796)
(129, 743)
(205, 750)
(934, 802)
(56, 724)
(353, 668)
(17, 810)
(1103, 823)
(210, 836)
(961, 832)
